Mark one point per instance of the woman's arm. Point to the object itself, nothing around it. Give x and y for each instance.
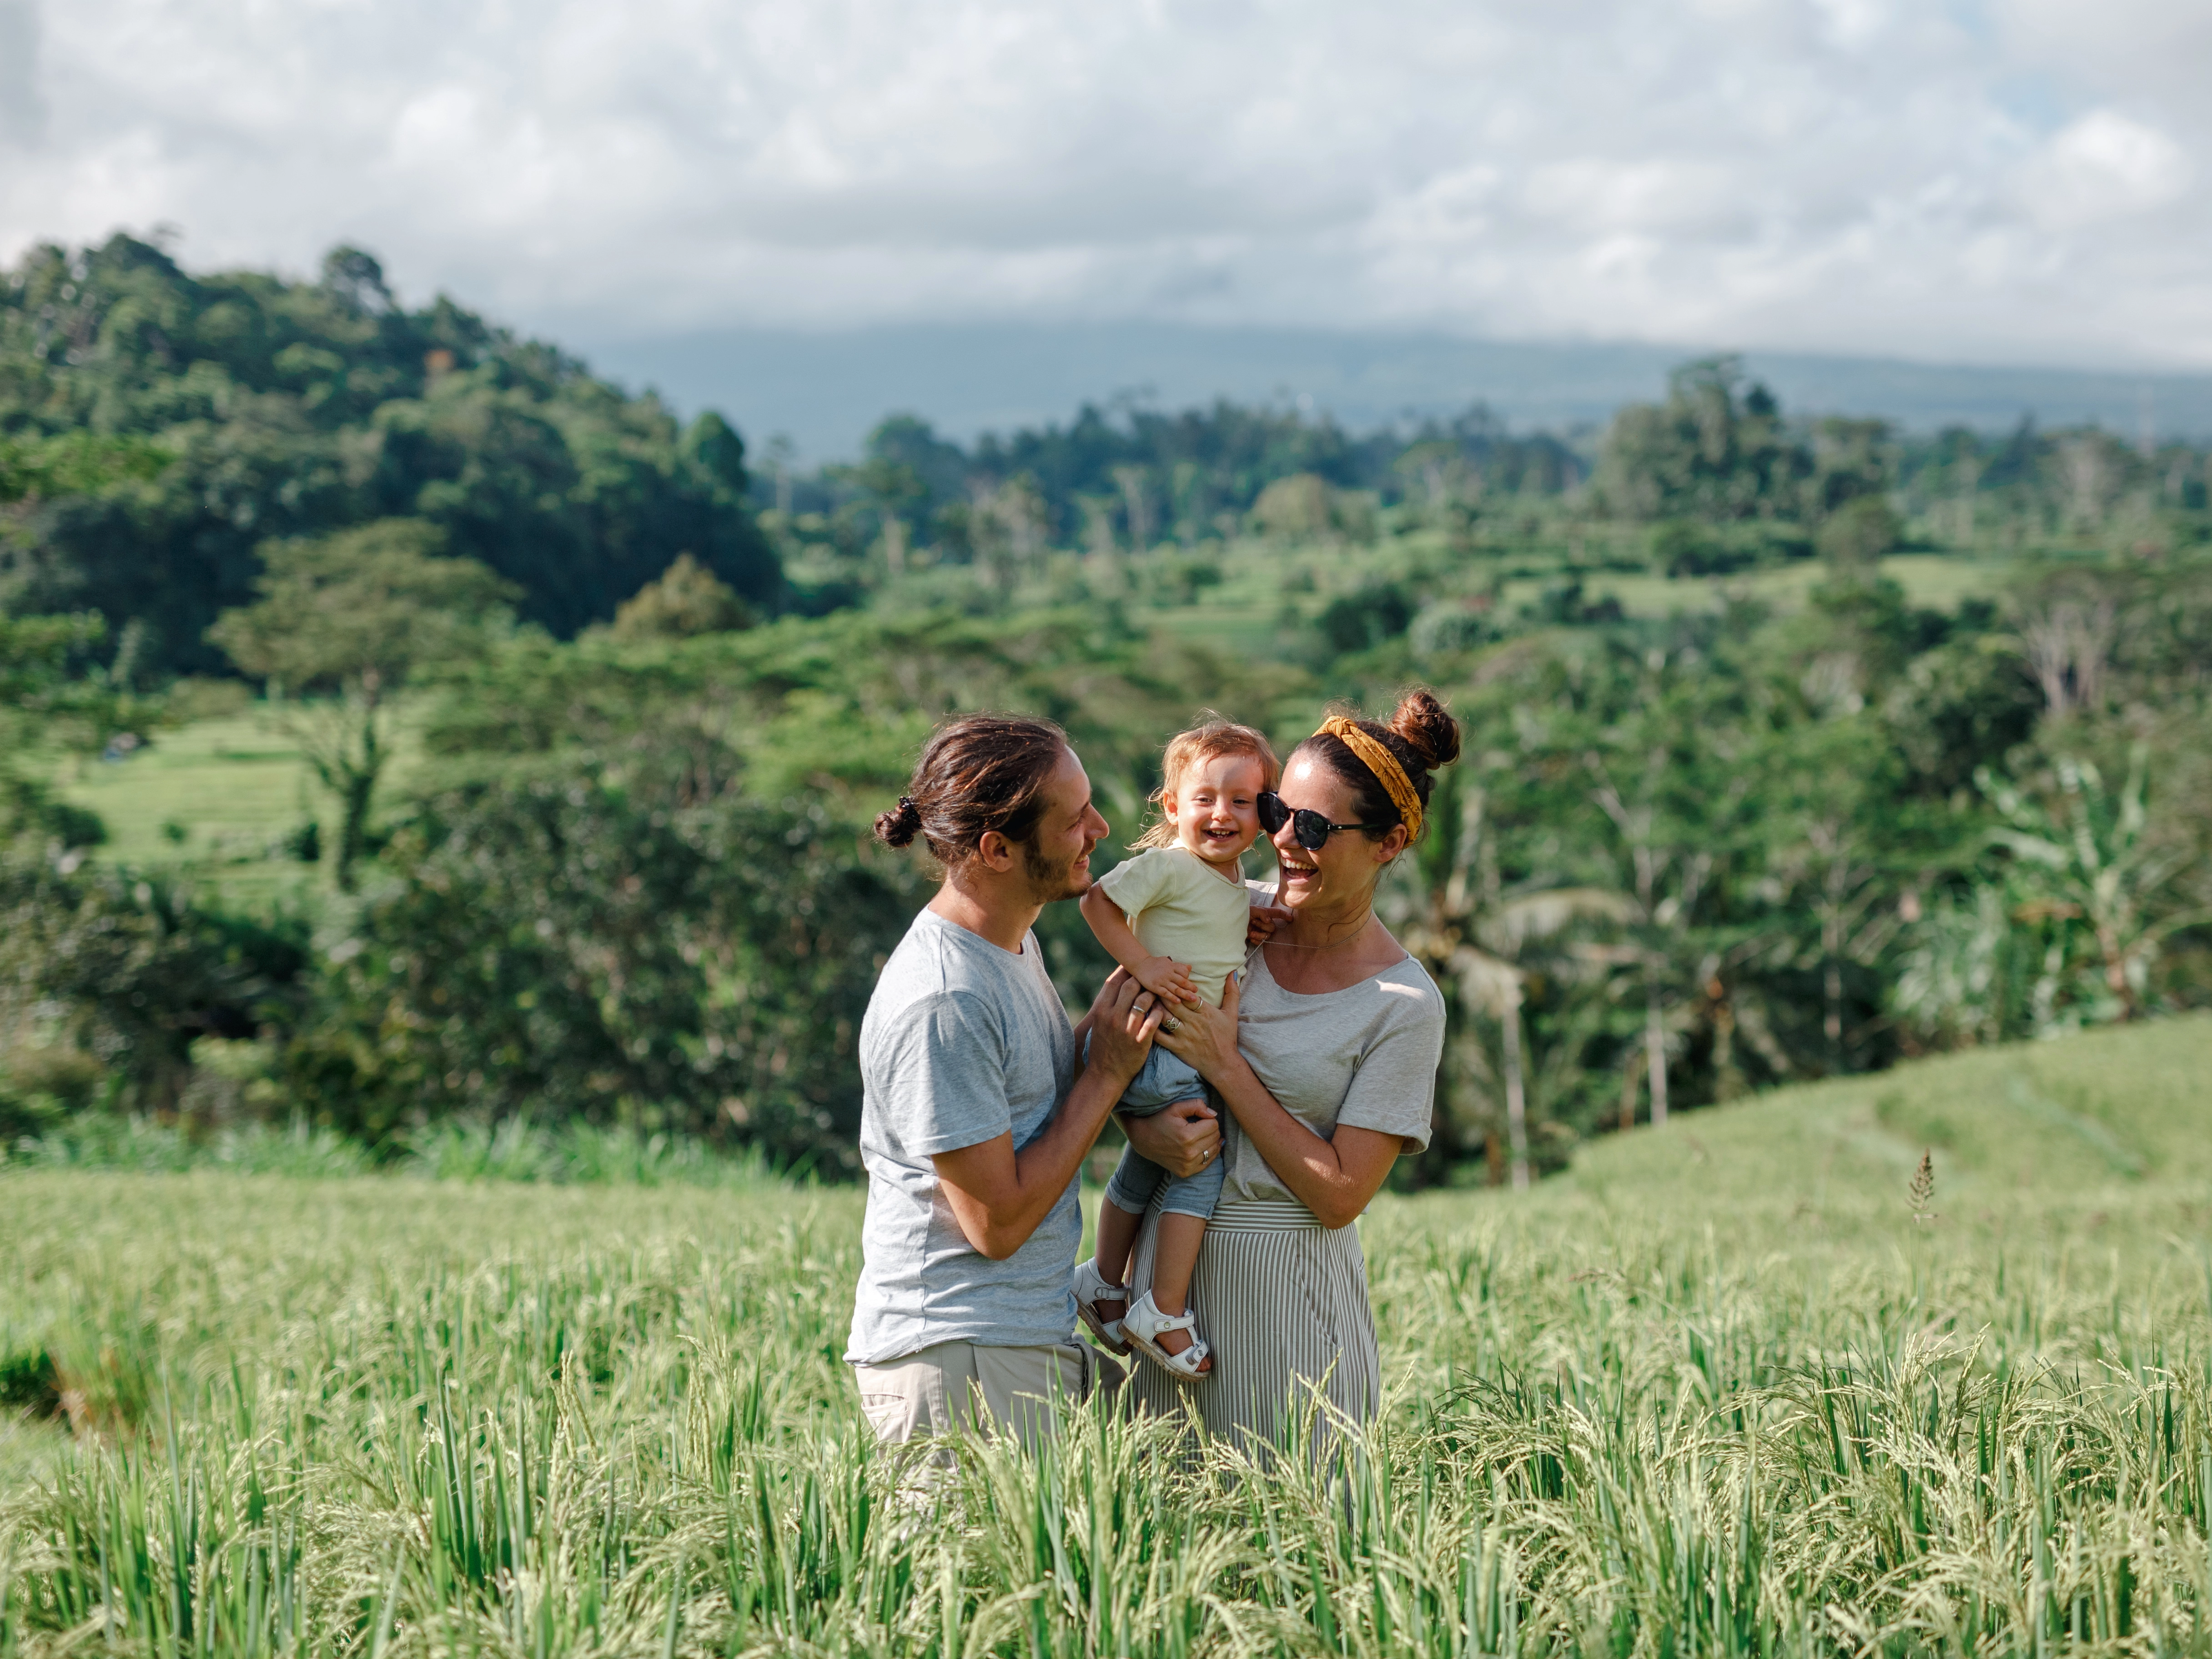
(1183, 1139)
(1335, 1178)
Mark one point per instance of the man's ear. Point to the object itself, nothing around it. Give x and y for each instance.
(995, 850)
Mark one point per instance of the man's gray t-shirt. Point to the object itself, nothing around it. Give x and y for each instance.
(963, 1043)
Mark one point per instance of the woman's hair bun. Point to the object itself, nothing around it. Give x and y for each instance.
(899, 826)
(1427, 727)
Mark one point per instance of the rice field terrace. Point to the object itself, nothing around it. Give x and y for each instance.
(1762, 1381)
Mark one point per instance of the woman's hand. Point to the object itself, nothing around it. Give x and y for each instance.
(1123, 1021)
(1205, 1038)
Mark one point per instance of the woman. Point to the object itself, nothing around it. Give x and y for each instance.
(1326, 1061)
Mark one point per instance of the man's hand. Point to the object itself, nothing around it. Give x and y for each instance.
(1123, 1020)
(999, 1195)
(1167, 979)
(1259, 926)
(1183, 1139)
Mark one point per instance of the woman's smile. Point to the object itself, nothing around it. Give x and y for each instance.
(1299, 869)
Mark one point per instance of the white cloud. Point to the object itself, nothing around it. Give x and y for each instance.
(2104, 166)
(1991, 179)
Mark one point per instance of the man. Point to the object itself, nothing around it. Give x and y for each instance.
(975, 1120)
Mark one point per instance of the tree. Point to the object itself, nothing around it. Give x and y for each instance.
(687, 599)
(1855, 537)
(1713, 451)
(1474, 939)
(157, 425)
(1660, 773)
(1831, 812)
(353, 615)
(55, 696)
(130, 971)
(899, 498)
(563, 945)
(1299, 508)
(2089, 873)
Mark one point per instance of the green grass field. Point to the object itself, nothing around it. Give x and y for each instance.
(1724, 1388)
(216, 798)
(1936, 580)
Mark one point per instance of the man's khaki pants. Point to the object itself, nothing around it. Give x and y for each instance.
(940, 1388)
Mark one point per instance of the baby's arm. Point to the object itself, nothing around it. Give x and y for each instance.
(1265, 914)
(1164, 976)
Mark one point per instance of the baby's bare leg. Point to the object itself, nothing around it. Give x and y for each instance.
(1117, 1237)
(1173, 1263)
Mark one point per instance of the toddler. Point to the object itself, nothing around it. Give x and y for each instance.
(1176, 916)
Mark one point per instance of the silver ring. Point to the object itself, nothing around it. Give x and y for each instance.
(1170, 1023)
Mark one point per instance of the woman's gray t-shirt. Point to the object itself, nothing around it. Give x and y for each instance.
(963, 1043)
(1365, 1055)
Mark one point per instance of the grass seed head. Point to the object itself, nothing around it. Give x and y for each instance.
(1922, 1193)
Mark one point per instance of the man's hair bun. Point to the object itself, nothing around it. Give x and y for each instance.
(1427, 727)
(899, 826)
(980, 773)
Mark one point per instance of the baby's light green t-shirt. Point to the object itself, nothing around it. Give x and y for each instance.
(1179, 908)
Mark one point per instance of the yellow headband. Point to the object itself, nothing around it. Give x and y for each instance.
(1384, 765)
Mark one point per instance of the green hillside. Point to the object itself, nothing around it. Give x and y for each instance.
(2116, 1117)
(157, 428)
(219, 798)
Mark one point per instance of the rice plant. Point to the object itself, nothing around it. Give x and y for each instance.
(1720, 1391)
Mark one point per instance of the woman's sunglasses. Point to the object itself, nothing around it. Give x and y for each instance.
(1311, 829)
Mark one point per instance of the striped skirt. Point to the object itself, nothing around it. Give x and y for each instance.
(1283, 1302)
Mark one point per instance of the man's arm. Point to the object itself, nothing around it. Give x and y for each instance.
(999, 1195)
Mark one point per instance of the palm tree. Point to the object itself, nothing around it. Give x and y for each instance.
(1472, 939)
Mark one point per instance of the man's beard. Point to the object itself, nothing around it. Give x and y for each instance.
(1051, 881)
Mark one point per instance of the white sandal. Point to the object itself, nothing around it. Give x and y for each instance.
(1091, 1288)
(1143, 1324)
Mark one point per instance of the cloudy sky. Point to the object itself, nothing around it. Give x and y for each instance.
(1973, 180)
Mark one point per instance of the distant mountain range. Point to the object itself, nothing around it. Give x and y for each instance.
(824, 390)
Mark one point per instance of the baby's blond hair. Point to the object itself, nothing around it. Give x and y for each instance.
(1210, 739)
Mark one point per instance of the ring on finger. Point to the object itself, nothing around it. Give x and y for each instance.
(1170, 1024)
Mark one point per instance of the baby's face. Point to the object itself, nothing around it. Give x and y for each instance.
(1215, 807)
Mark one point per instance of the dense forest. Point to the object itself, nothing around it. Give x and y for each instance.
(157, 430)
(1795, 746)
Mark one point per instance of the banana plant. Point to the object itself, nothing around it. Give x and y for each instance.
(2088, 871)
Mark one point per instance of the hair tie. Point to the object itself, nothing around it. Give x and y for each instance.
(1383, 764)
(907, 809)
